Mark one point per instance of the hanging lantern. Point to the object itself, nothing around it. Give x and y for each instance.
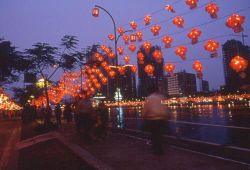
(98, 86)
(169, 8)
(95, 12)
(167, 40)
(127, 59)
(132, 38)
(192, 3)
(120, 30)
(157, 54)
(132, 47)
(120, 50)
(133, 25)
(169, 68)
(126, 39)
(178, 21)
(92, 90)
(149, 69)
(104, 80)
(235, 22)
(146, 46)
(147, 19)
(238, 64)
(212, 9)
(111, 55)
(181, 51)
(139, 35)
(121, 70)
(133, 69)
(111, 74)
(194, 35)
(107, 68)
(212, 46)
(156, 30)
(140, 58)
(104, 64)
(197, 66)
(111, 37)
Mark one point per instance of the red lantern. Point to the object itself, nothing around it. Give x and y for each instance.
(95, 12)
(120, 50)
(167, 40)
(104, 64)
(104, 80)
(170, 8)
(139, 35)
(111, 74)
(120, 30)
(140, 58)
(111, 55)
(212, 9)
(111, 37)
(169, 68)
(149, 69)
(146, 46)
(125, 38)
(133, 25)
(132, 38)
(194, 35)
(238, 64)
(133, 69)
(178, 21)
(181, 51)
(197, 66)
(127, 59)
(121, 70)
(155, 29)
(235, 22)
(212, 46)
(132, 47)
(157, 54)
(147, 19)
(192, 3)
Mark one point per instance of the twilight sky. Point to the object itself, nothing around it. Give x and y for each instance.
(26, 22)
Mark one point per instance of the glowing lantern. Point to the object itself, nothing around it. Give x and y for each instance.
(111, 55)
(178, 21)
(133, 25)
(111, 74)
(95, 12)
(235, 22)
(147, 19)
(146, 46)
(238, 64)
(194, 35)
(107, 68)
(140, 58)
(125, 38)
(156, 30)
(149, 69)
(120, 30)
(181, 51)
(167, 40)
(197, 66)
(139, 35)
(212, 46)
(169, 68)
(121, 70)
(192, 3)
(98, 86)
(104, 80)
(120, 50)
(132, 38)
(127, 59)
(111, 37)
(170, 8)
(92, 90)
(104, 64)
(133, 69)
(212, 9)
(157, 54)
(132, 47)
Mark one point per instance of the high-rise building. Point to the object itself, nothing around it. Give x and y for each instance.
(204, 86)
(182, 84)
(145, 81)
(235, 81)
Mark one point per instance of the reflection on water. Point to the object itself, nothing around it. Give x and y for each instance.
(199, 115)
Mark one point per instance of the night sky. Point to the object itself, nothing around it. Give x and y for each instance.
(26, 22)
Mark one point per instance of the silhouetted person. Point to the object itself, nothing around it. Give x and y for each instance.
(67, 113)
(156, 117)
(48, 114)
(58, 113)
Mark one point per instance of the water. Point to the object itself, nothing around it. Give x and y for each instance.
(196, 122)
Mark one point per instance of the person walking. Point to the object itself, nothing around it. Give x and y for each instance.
(58, 113)
(155, 115)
